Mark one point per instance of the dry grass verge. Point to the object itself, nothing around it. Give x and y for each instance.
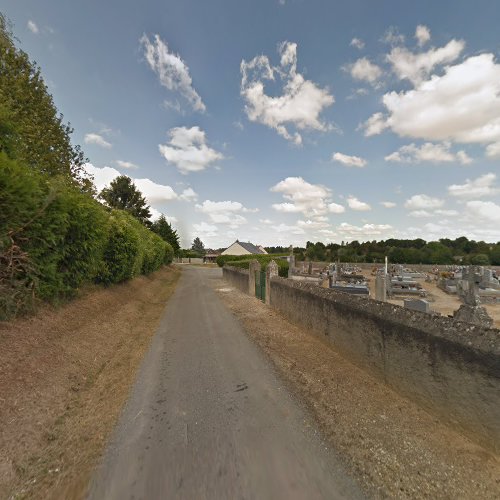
(64, 377)
(397, 449)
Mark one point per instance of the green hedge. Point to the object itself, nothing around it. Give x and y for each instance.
(53, 238)
(244, 263)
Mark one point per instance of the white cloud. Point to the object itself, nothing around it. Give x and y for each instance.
(422, 34)
(284, 228)
(335, 208)
(97, 140)
(205, 230)
(388, 204)
(309, 199)
(393, 37)
(423, 202)
(172, 71)
(266, 221)
(313, 224)
(363, 231)
(358, 43)
(32, 26)
(355, 204)
(477, 188)
(126, 164)
(188, 151)
(420, 213)
(224, 212)
(493, 150)
(417, 67)
(462, 106)
(350, 161)
(300, 103)
(365, 70)
(375, 125)
(153, 192)
(446, 213)
(155, 215)
(485, 210)
(428, 152)
(188, 195)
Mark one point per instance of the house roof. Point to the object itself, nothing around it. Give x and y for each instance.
(250, 247)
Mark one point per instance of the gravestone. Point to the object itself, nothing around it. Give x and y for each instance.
(417, 305)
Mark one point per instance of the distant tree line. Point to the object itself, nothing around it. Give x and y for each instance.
(417, 251)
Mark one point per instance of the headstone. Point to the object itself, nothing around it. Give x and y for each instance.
(310, 268)
(417, 305)
(271, 271)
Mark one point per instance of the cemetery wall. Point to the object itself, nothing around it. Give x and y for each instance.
(236, 277)
(449, 367)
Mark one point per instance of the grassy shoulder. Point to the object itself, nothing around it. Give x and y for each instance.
(64, 377)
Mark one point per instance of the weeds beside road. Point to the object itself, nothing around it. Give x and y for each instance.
(64, 377)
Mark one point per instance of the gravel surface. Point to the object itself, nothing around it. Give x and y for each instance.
(397, 449)
(209, 418)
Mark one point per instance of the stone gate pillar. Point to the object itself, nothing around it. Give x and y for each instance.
(252, 268)
(271, 271)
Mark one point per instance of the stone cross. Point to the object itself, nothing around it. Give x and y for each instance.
(473, 276)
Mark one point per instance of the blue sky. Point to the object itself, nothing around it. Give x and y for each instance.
(285, 121)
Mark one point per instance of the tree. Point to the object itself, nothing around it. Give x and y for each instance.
(198, 246)
(123, 194)
(40, 138)
(164, 229)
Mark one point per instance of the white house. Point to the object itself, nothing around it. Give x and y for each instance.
(241, 248)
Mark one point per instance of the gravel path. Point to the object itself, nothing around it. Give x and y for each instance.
(209, 418)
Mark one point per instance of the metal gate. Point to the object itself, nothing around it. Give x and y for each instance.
(260, 285)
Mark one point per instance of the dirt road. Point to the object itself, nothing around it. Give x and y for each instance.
(209, 418)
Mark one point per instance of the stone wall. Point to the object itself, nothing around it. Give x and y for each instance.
(236, 277)
(448, 367)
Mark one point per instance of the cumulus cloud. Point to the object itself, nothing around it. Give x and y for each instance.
(309, 199)
(97, 139)
(417, 67)
(420, 213)
(392, 37)
(300, 103)
(388, 204)
(32, 26)
(188, 195)
(365, 70)
(355, 204)
(205, 230)
(423, 202)
(188, 151)
(335, 208)
(349, 161)
(462, 105)
(153, 192)
(375, 125)
(285, 228)
(224, 212)
(358, 43)
(367, 230)
(478, 188)
(126, 164)
(428, 152)
(172, 71)
(484, 210)
(422, 34)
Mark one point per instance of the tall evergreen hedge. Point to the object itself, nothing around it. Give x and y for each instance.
(53, 238)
